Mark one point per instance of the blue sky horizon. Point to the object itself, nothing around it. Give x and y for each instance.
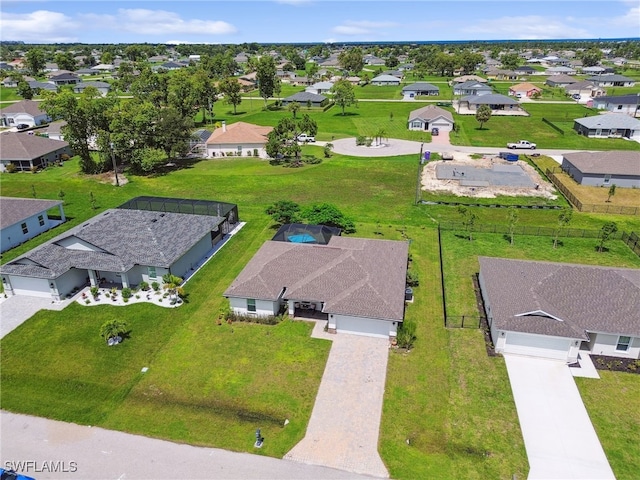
(315, 21)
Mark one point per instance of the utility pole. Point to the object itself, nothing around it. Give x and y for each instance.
(115, 168)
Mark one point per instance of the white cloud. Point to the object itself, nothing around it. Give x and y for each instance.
(362, 27)
(41, 26)
(156, 22)
(630, 19)
(527, 27)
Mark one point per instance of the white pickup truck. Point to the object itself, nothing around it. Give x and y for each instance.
(303, 137)
(522, 144)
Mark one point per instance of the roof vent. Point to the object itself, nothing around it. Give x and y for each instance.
(162, 214)
(153, 220)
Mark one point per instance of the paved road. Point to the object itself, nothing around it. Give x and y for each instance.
(560, 440)
(345, 422)
(89, 453)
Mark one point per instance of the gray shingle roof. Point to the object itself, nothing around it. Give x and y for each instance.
(582, 297)
(429, 113)
(303, 97)
(610, 120)
(352, 276)
(421, 87)
(385, 78)
(15, 210)
(24, 106)
(610, 78)
(631, 99)
(612, 163)
(121, 238)
(22, 146)
(490, 99)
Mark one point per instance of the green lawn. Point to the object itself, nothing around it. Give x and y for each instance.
(8, 95)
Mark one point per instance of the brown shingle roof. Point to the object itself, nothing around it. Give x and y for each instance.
(352, 276)
(24, 106)
(239, 132)
(580, 297)
(430, 112)
(611, 163)
(22, 146)
(15, 210)
(524, 87)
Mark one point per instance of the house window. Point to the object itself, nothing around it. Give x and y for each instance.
(607, 179)
(619, 107)
(41, 220)
(25, 229)
(251, 305)
(623, 344)
(239, 150)
(416, 125)
(152, 272)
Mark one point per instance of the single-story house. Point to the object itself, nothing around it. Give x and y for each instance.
(87, 71)
(370, 59)
(358, 285)
(612, 81)
(629, 104)
(171, 66)
(64, 79)
(554, 310)
(469, 78)
(560, 80)
(121, 247)
(102, 87)
(106, 67)
(594, 70)
(5, 67)
(584, 88)
(472, 87)
(306, 98)
(39, 87)
(12, 82)
(302, 81)
(615, 125)
(24, 218)
(497, 102)
(499, 74)
(561, 70)
(24, 111)
(238, 138)
(429, 117)
(319, 88)
(394, 73)
(381, 80)
(602, 169)
(54, 130)
(524, 90)
(27, 151)
(525, 70)
(420, 88)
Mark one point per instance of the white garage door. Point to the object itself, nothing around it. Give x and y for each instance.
(537, 345)
(363, 326)
(443, 126)
(36, 287)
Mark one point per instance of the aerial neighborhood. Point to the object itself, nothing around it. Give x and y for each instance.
(392, 260)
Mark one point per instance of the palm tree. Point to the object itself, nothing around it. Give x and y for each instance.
(112, 329)
(171, 284)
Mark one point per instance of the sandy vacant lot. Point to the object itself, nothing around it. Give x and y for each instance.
(432, 184)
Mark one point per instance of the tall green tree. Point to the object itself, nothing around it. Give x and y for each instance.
(35, 61)
(351, 60)
(343, 94)
(284, 211)
(329, 215)
(266, 77)
(293, 107)
(282, 141)
(65, 61)
(510, 61)
(312, 71)
(231, 89)
(24, 90)
(483, 115)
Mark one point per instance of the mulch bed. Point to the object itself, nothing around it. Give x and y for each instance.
(616, 364)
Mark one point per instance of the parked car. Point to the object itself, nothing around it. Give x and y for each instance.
(303, 137)
(22, 126)
(435, 131)
(522, 144)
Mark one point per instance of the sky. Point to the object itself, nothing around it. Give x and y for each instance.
(314, 21)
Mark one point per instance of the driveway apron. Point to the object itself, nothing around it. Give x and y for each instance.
(559, 437)
(345, 422)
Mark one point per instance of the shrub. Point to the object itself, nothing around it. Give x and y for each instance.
(155, 286)
(126, 293)
(144, 286)
(361, 140)
(368, 142)
(406, 334)
(94, 291)
(64, 157)
(11, 168)
(33, 169)
(412, 278)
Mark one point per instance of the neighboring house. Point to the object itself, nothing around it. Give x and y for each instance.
(628, 104)
(102, 87)
(469, 78)
(429, 117)
(171, 66)
(122, 246)
(27, 151)
(381, 80)
(584, 88)
(238, 138)
(12, 82)
(595, 70)
(560, 80)
(554, 310)
(498, 74)
(24, 111)
(373, 60)
(306, 98)
(560, 71)
(602, 169)
(54, 130)
(24, 218)
(612, 81)
(301, 81)
(420, 88)
(39, 87)
(525, 70)
(616, 125)
(394, 73)
(64, 79)
(357, 285)
(332, 61)
(524, 90)
(472, 87)
(4, 66)
(87, 71)
(497, 102)
(104, 67)
(319, 88)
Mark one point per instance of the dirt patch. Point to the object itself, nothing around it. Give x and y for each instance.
(431, 183)
(109, 177)
(616, 364)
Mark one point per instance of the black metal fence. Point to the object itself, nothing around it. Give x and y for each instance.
(464, 321)
(633, 241)
(528, 230)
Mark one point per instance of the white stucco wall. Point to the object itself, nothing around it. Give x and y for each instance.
(187, 261)
(66, 282)
(220, 150)
(605, 344)
(369, 327)
(263, 307)
(74, 243)
(12, 235)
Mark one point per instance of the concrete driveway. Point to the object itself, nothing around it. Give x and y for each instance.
(345, 422)
(560, 440)
(19, 308)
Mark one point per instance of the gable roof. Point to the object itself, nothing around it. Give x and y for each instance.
(609, 120)
(472, 85)
(561, 79)
(524, 87)
(420, 86)
(15, 210)
(304, 97)
(610, 78)
(469, 78)
(584, 297)
(385, 78)
(22, 146)
(631, 99)
(321, 86)
(120, 239)
(352, 276)
(24, 106)
(612, 163)
(239, 132)
(430, 112)
(490, 99)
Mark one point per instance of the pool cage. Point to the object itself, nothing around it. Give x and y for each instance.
(228, 211)
(309, 234)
